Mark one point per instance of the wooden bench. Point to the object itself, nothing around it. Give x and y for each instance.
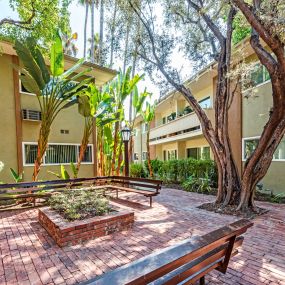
(146, 187)
(44, 189)
(184, 263)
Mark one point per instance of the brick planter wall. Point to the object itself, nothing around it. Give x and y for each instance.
(70, 233)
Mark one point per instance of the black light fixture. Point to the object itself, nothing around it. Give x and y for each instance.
(126, 135)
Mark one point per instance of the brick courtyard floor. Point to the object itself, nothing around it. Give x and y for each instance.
(29, 255)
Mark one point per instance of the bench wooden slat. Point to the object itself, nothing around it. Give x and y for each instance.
(152, 267)
(146, 192)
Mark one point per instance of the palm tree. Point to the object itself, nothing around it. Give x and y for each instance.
(148, 116)
(96, 52)
(85, 3)
(55, 89)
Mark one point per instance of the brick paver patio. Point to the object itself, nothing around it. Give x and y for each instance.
(29, 255)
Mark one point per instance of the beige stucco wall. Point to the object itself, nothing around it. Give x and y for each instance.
(255, 115)
(8, 148)
(139, 141)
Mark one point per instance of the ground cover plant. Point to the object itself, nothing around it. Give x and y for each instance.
(79, 204)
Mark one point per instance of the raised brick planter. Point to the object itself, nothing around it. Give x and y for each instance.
(70, 233)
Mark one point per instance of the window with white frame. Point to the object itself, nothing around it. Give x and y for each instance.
(23, 89)
(56, 154)
(250, 144)
(136, 156)
(144, 155)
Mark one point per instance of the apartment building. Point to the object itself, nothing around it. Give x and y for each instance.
(20, 119)
(176, 131)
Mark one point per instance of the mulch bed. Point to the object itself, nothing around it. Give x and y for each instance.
(231, 210)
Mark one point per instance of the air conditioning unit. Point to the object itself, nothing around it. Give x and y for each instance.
(31, 115)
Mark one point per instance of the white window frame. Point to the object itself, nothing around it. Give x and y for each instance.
(24, 92)
(136, 153)
(50, 164)
(252, 138)
(169, 150)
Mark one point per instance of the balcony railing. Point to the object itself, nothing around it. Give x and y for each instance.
(180, 128)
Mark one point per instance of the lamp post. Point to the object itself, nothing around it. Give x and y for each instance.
(126, 135)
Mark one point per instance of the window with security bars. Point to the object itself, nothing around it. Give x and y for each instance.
(56, 154)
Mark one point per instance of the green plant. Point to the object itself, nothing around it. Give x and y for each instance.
(54, 88)
(199, 185)
(18, 177)
(278, 198)
(79, 204)
(137, 170)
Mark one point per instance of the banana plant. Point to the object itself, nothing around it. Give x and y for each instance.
(93, 106)
(148, 116)
(54, 88)
(120, 89)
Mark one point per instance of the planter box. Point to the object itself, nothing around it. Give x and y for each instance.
(71, 233)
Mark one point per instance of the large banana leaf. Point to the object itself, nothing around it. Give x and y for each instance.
(29, 83)
(29, 63)
(57, 57)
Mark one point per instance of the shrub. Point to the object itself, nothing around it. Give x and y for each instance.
(177, 171)
(79, 204)
(199, 185)
(137, 170)
(156, 167)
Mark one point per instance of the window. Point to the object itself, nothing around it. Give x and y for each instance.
(163, 120)
(136, 156)
(23, 89)
(250, 144)
(172, 154)
(135, 132)
(144, 155)
(199, 152)
(206, 152)
(194, 152)
(258, 75)
(56, 154)
(164, 155)
(205, 103)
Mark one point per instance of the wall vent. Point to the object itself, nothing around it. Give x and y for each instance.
(31, 115)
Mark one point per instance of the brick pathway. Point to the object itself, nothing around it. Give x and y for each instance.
(29, 255)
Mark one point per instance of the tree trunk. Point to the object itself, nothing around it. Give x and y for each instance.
(92, 55)
(148, 154)
(120, 158)
(101, 32)
(126, 48)
(85, 28)
(113, 27)
(42, 147)
(84, 143)
(116, 131)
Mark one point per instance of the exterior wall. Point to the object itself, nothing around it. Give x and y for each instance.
(255, 115)
(8, 145)
(14, 133)
(139, 141)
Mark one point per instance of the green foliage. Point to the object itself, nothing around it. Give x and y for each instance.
(79, 204)
(195, 184)
(18, 177)
(156, 165)
(64, 173)
(241, 28)
(278, 198)
(137, 170)
(49, 16)
(178, 170)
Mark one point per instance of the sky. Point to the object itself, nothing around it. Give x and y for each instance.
(77, 15)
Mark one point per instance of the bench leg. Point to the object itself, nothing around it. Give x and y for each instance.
(117, 194)
(150, 201)
(202, 280)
